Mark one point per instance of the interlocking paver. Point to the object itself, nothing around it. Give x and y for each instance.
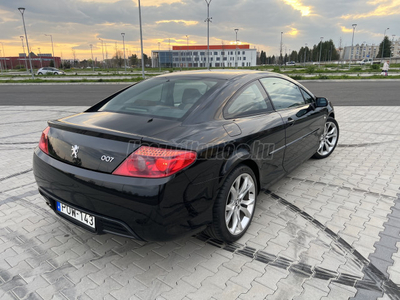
(79, 288)
(129, 290)
(82, 272)
(37, 283)
(351, 193)
(50, 290)
(197, 277)
(205, 292)
(105, 288)
(180, 291)
(339, 292)
(101, 275)
(154, 291)
(149, 275)
(257, 291)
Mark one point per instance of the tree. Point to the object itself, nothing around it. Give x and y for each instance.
(293, 56)
(134, 60)
(263, 58)
(51, 64)
(119, 58)
(386, 48)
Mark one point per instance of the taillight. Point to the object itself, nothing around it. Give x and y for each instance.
(151, 162)
(44, 142)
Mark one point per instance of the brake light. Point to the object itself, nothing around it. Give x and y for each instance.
(151, 162)
(44, 142)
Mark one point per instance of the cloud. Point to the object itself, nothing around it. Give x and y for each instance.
(184, 22)
(298, 5)
(381, 8)
(78, 23)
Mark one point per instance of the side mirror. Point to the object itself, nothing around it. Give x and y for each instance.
(321, 102)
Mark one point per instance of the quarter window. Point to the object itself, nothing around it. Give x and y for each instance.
(250, 101)
(283, 93)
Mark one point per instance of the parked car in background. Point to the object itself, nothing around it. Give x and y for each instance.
(49, 70)
(181, 153)
(290, 63)
(367, 61)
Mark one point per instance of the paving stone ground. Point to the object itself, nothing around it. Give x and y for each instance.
(329, 230)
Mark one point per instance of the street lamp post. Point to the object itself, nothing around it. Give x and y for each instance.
(40, 58)
(352, 42)
(159, 57)
(141, 38)
(305, 50)
(102, 49)
(236, 63)
(320, 52)
(383, 42)
(123, 42)
(4, 56)
(91, 50)
(52, 48)
(208, 20)
(22, 10)
(391, 48)
(280, 51)
(187, 51)
(106, 61)
(23, 49)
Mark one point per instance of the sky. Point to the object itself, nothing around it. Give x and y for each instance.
(75, 24)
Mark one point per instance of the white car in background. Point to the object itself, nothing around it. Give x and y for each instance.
(49, 70)
(367, 61)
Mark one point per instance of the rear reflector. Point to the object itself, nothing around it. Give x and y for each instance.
(151, 162)
(44, 142)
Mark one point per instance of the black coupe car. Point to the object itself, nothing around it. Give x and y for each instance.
(181, 153)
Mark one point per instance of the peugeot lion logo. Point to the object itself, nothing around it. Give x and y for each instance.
(75, 150)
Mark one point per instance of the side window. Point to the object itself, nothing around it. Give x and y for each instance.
(248, 102)
(283, 93)
(307, 97)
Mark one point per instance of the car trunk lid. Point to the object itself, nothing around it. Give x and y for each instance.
(101, 141)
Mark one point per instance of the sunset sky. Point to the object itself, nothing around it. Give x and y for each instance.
(75, 24)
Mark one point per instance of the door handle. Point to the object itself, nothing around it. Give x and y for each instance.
(290, 121)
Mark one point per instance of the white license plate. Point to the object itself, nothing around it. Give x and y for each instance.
(78, 215)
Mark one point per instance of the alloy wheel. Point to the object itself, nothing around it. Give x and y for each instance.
(240, 204)
(328, 139)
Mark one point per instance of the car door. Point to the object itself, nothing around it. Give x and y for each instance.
(303, 122)
(262, 129)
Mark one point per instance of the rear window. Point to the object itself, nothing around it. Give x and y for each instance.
(162, 97)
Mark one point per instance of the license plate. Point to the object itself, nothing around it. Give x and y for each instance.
(78, 215)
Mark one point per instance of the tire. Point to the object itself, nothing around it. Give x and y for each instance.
(230, 208)
(40, 73)
(55, 73)
(329, 139)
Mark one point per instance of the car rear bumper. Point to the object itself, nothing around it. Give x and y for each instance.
(147, 209)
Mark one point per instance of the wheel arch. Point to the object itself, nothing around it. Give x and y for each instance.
(254, 167)
(241, 156)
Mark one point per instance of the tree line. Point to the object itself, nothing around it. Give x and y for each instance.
(324, 51)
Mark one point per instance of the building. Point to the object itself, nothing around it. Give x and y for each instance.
(359, 52)
(395, 48)
(22, 61)
(196, 56)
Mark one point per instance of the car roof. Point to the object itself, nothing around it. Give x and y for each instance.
(217, 73)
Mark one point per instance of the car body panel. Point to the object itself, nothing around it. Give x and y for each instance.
(161, 209)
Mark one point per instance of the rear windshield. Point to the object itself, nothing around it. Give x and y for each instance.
(162, 97)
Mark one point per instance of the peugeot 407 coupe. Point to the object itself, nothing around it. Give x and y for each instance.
(181, 153)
